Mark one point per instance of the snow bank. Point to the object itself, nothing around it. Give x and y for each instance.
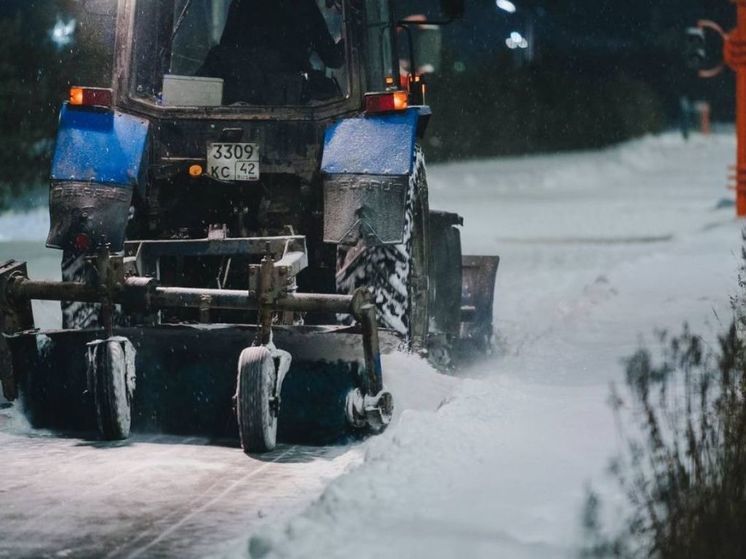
(24, 226)
(433, 486)
(589, 197)
(13, 420)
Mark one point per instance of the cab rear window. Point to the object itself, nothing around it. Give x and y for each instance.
(218, 53)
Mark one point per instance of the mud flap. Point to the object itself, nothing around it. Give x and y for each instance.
(477, 301)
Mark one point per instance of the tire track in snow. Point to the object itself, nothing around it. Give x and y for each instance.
(62, 463)
(189, 511)
(643, 240)
(30, 525)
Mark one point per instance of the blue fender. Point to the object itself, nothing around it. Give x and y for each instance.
(100, 146)
(381, 144)
(367, 166)
(100, 158)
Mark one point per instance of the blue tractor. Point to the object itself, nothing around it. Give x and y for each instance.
(244, 226)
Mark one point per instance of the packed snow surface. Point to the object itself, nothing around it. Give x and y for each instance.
(598, 250)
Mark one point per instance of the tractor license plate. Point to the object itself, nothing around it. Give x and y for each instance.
(233, 161)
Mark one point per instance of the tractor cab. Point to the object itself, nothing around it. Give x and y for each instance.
(239, 59)
(229, 59)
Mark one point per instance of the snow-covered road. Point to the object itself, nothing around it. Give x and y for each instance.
(154, 496)
(598, 249)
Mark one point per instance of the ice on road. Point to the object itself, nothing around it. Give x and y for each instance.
(598, 250)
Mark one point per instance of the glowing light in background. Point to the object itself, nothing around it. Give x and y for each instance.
(516, 41)
(62, 32)
(506, 5)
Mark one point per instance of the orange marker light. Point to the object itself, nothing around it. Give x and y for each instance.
(385, 102)
(76, 96)
(196, 170)
(90, 97)
(401, 100)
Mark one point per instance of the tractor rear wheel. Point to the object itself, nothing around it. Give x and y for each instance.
(396, 274)
(77, 315)
(257, 406)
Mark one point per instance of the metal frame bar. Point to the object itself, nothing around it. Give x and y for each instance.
(21, 288)
(289, 252)
(216, 247)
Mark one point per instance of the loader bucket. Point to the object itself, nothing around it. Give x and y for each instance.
(186, 379)
(479, 274)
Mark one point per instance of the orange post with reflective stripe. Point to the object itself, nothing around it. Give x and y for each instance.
(734, 54)
(735, 57)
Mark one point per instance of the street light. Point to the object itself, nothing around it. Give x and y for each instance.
(516, 41)
(506, 5)
(62, 33)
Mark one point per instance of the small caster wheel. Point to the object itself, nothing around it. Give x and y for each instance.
(257, 404)
(111, 378)
(371, 413)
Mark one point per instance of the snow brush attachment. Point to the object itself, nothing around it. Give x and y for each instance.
(186, 373)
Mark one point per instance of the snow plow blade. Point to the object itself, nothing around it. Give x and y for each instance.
(186, 379)
(479, 274)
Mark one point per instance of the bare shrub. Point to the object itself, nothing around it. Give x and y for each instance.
(683, 471)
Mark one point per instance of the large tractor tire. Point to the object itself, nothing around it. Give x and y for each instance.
(76, 315)
(256, 405)
(396, 274)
